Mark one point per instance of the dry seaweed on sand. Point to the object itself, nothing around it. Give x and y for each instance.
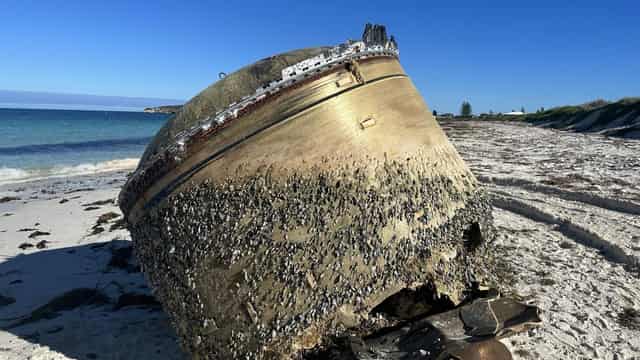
(25, 246)
(118, 224)
(37, 233)
(106, 217)
(100, 202)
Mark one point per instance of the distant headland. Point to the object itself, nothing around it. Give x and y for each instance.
(164, 109)
(51, 100)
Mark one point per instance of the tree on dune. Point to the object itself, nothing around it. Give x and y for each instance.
(465, 109)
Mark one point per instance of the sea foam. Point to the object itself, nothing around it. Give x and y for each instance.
(13, 175)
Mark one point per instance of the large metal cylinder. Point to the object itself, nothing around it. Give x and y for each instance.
(295, 220)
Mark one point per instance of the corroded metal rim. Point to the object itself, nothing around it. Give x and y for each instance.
(151, 184)
(183, 177)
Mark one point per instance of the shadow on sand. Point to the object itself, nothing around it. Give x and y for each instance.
(84, 302)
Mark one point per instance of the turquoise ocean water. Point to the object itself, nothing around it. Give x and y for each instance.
(55, 143)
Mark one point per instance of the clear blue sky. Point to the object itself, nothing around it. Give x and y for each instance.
(497, 55)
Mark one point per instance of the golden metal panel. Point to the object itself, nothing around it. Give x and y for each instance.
(331, 114)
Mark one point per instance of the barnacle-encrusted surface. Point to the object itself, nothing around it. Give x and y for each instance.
(264, 265)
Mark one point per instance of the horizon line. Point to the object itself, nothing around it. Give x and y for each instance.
(71, 107)
(91, 95)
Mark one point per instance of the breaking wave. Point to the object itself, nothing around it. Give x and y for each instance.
(13, 175)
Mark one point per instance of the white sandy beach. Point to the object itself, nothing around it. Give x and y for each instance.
(73, 258)
(567, 210)
(567, 207)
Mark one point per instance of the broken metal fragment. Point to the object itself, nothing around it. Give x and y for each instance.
(470, 332)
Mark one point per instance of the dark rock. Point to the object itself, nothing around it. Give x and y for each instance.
(7, 214)
(91, 208)
(15, 282)
(63, 201)
(27, 229)
(8, 198)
